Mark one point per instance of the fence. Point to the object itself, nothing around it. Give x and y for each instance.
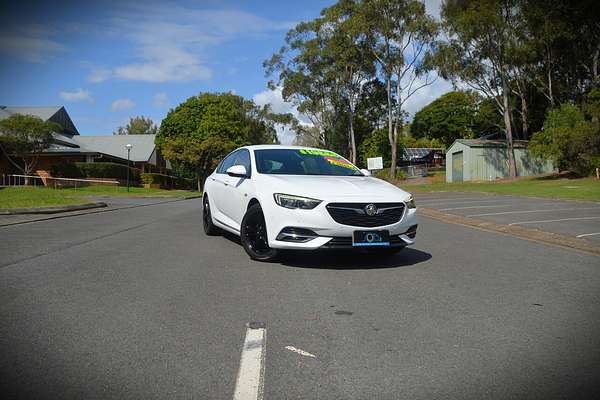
(56, 183)
(414, 171)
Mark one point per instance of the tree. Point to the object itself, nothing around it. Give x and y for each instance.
(353, 63)
(23, 138)
(302, 68)
(482, 51)
(138, 126)
(400, 36)
(568, 139)
(198, 133)
(456, 115)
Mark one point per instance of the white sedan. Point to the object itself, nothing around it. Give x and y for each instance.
(287, 197)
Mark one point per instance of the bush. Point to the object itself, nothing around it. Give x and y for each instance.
(95, 170)
(572, 142)
(167, 181)
(385, 173)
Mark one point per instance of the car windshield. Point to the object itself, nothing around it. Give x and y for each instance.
(303, 162)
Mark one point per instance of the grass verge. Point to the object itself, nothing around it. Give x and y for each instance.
(29, 197)
(558, 188)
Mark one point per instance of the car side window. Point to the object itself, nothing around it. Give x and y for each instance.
(229, 161)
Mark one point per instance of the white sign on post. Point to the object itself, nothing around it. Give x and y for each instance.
(374, 163)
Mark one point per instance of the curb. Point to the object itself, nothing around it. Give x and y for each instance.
(533, 235)
(50, 210)
(93, 211)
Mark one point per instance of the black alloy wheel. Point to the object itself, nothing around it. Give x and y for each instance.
(254, 235)
(209, 228)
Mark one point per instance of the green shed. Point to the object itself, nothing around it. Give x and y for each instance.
(487, 160)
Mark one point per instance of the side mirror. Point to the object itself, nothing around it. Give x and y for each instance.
(238, 171)
(366, 172)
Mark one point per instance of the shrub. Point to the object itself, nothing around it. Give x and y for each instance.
(572, 142)
(95, 170)
(167, 181)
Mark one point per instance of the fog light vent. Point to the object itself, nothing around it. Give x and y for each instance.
(296, 235)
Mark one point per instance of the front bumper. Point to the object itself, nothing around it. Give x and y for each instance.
(331, 234)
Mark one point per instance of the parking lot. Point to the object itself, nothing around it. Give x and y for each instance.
(139, 303)
(578, 219)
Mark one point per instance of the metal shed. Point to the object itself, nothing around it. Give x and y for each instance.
(487, 160)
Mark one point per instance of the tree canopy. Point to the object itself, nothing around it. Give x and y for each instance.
(138, 126)
(455, 115)
(23, 138)
(198, 133)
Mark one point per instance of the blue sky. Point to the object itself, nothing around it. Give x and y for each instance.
(106, 61)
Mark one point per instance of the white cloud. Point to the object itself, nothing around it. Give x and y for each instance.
(160, 99)
(99, 75)
(122, 104)
(77, 95)
(169, 40)
(30, 42)
(426, 95)
(275, 99)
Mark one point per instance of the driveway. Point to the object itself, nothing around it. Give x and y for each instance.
(139, 303)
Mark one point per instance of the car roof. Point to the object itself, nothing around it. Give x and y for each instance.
(277, 146)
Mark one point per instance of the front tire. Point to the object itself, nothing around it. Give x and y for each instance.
(253, 235)
(209, 228)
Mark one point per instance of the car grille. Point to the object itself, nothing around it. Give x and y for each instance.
(354, 214)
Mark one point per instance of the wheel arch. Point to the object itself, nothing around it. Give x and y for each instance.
(252, 202)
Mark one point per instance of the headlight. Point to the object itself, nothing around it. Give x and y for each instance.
(293, 202)
(410, 203)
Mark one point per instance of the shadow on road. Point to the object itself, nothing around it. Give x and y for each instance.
(340, 259)
(345, 259)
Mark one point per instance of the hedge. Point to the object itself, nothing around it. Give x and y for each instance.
(167, 181)
(95, 170)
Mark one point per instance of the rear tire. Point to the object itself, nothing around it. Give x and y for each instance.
(209, 228)
(253, 235)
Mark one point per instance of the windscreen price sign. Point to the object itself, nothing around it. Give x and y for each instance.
(374, 163)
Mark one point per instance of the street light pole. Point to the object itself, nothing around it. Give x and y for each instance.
(128, 147)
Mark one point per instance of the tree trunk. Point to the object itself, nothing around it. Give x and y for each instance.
(352, 138)
(550, 95)
(524, 118)
(388, 79)
(512, 167)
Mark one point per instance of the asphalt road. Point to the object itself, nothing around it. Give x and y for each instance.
(139, 303)
(580, 219)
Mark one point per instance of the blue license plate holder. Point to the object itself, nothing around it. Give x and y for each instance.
(370, 238)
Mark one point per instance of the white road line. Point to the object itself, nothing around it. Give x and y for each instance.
(250, 380)
(533, 211)
(466, 199)
(442, 203)
(552, 220)
(464, 208)
(589, 234)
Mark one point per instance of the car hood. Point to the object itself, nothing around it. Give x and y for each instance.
(336, 187)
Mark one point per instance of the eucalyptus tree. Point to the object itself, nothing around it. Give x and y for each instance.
(480, 51)
(353, 64)
(400, 35)
(302, 68)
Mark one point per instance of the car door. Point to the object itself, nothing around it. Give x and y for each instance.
(219, 188)
(237, 189)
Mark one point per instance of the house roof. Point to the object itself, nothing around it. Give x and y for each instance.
(56, 114)
(490, 143)
(114, 145)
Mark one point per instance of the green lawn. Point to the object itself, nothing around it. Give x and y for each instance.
(25, 197)
(579, 189)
